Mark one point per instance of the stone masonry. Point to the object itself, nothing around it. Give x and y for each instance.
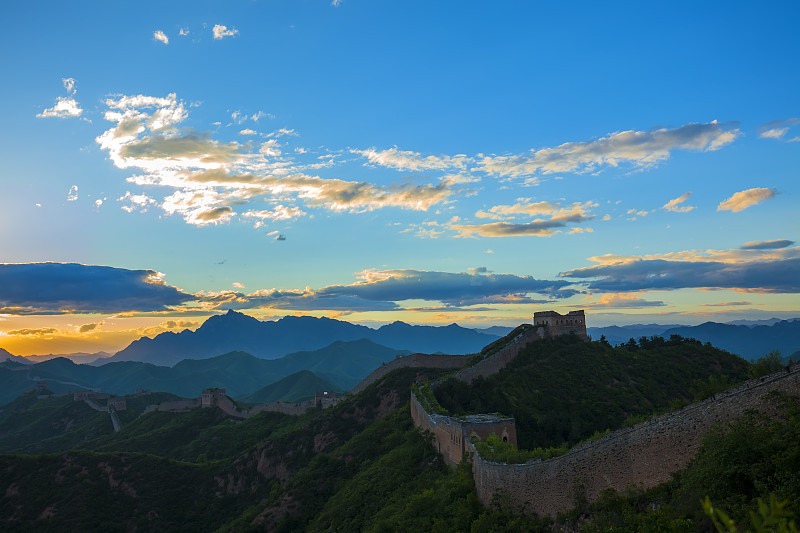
(556, 324)
(644, 455)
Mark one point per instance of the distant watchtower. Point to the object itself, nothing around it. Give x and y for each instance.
(210, 396)
(556, 324)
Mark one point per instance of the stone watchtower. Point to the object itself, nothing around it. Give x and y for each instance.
(211, 396)
(556, 324)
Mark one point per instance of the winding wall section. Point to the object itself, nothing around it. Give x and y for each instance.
(645, 454)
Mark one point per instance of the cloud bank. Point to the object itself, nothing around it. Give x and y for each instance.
(746, 270)
(67, 288)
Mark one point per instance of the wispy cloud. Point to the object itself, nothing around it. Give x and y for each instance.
(160, 36)
(638, 148)
(777, 129)
(33, 332)
(220, 31)
(674, 204)
(412, 161)
(69, 85)
(727, 304)
(619, 301)
(766, 245)
(744, 199)
(72, 195)
(558, 217)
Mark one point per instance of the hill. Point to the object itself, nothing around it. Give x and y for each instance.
(269, 340)
(342, 365)
(362, 466)
(299, 386)
(563, 390)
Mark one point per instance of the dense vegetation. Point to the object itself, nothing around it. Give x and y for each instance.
(362, 466)
(564, 390)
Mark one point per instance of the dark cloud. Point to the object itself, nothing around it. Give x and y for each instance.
(379, 291)
(89, 327)
(651, 274)
(58, 288)
(766, 245)
(447, 287)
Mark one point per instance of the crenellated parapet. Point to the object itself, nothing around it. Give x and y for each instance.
(556, 324)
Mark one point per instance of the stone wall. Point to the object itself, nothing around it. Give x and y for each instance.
(451, 434)
(176, 406)
(497, 361)
(413, 360)
(645, 454)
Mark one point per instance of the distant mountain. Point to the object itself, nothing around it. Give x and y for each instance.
(500, 331)
(342, 365)
(621, 334)
(269, 340)
(299, 386)
(765, 322)
(5, 355)
(82, 358)
(751, 342)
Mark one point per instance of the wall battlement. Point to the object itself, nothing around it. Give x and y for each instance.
(556, 324)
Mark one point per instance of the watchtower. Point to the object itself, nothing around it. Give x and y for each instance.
(556, 324)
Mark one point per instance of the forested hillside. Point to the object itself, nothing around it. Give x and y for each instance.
(564, 390)
(362, 466)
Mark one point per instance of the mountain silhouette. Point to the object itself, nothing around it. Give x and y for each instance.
(235, 331)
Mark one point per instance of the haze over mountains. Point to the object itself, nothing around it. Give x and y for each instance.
(750, 340)
(342, 365)
(269, 340)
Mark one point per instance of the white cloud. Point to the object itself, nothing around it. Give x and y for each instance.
(248, 131)
(220, 31)
(136, 202)
(271, 148)
(159, 35)
(280, 212)
(72, 195)
(237, 285)
(674, 204)
(69, 85)
(65, 108)
(183, 32)
(414, 161)
(744, 199)
(777, 128)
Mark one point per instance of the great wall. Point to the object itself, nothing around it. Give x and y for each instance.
(644, 455)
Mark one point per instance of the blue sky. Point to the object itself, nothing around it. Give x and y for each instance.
(428, 162)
